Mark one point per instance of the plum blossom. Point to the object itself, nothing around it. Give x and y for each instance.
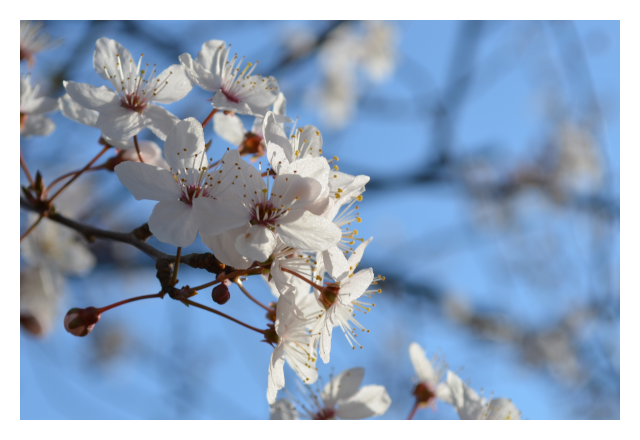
(32, 107)
(129, 107)
(175, 219)
(231, 128)
(470, 406)
(340, 299)
(293, 345)
(428, 389)
(342, 398)
(149, 150)
(285, 209)
(234, 90)
(33, 40)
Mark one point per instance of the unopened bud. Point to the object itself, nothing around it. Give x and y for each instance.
(80, 322)
(220, 294)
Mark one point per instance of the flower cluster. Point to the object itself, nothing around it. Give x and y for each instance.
(294, 219)
(468, 404)
(291, 220)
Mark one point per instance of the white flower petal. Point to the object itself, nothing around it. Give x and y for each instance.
(229, 127)
(159, 120)
(93, 98)
(369, 401)
(106, 55)
(184, 142)
(147, 182)
(257, 243)
(273, 132)
(37, 125)
(357, 284)
(173, 222)
(120, 123)
(310, 233)
(39, 105)
(276, 373)
(177, 85)
(218, 215)
(422, 366)
(221, 102)
(223, 247)
(342, 387)
(283, 410)
(335, 263)
(76, 112)
(207, 67)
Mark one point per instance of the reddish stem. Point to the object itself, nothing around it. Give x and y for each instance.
(33, 226)
(209, 309)
(235, 273)
(320, 288)
(23, 164)
(126, 301)
(72, 173)
(414, 410)
(80, 173)
(135, 141)
(206, 121)
(239, 284)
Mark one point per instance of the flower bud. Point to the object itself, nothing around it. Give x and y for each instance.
(220, 294)
(80, 322)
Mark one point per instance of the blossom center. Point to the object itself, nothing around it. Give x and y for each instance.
(190, 192)
(325, 414)
(424, 394)
(265, 213)
(133, 102)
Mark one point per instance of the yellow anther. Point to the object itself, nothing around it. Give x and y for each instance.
(335, 158)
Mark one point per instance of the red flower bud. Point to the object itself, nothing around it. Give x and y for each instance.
(80, 322)
(220, 294)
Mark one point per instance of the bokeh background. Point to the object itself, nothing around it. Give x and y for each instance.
(494, 155)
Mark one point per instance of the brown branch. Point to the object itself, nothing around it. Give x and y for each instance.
(135, 238)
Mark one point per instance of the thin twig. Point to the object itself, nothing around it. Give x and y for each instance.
(89, 232)
(33, 226)
(23, 164)
(209, 309)
(239, 284)
(80, 173)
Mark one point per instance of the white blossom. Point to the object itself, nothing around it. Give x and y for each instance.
(129, 107)
(176, 218)
(234, 90)
(294, 346)
(340, 301)
(32, 107)
(429, 388)
(470, 406)
(33, 40)
(266, 211)
(342, 398)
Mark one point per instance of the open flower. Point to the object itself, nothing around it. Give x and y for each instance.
(470, 406)
(286, 210)
(341, 398)
(32, 107)
(126, 110)
(175, 219)
(235, 90)
(293, 345)
(340, 301)
(33, 40)
(150, 152)
(428, 389)
(231, 128)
